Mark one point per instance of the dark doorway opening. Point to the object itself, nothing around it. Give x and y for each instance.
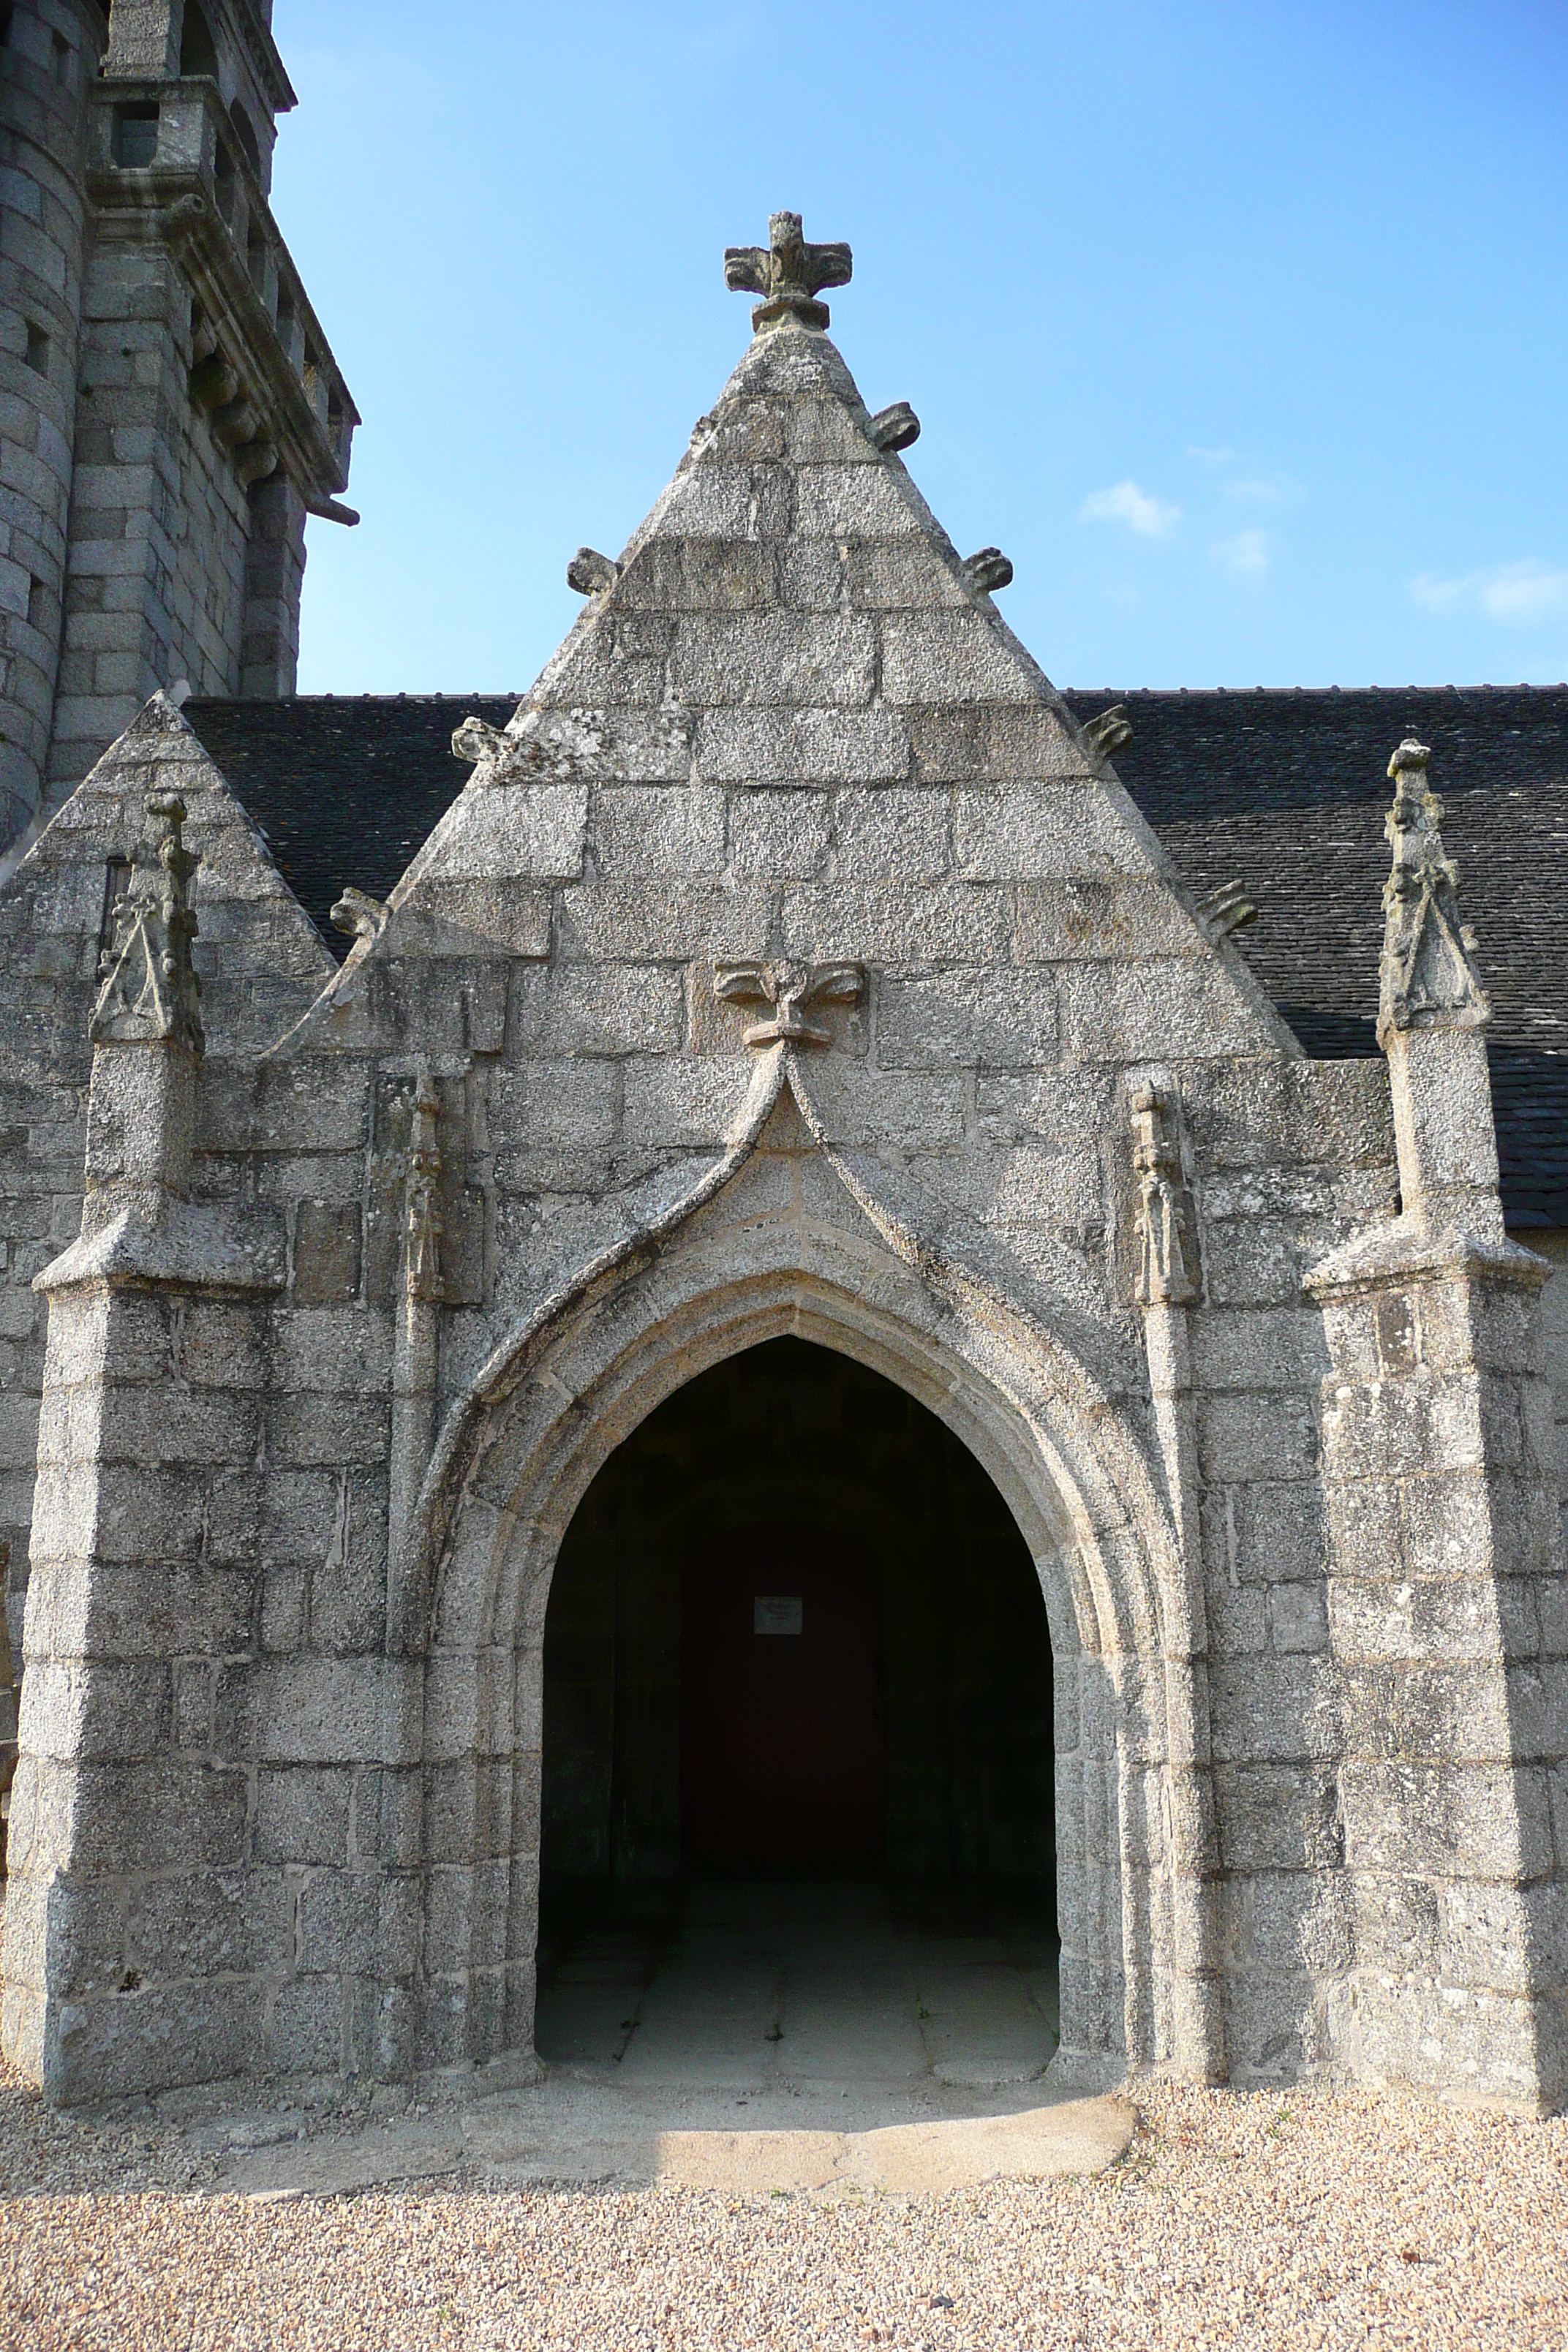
(794, 1638)
(782, 1742)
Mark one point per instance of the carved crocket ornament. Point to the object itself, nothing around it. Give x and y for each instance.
(1426, 977)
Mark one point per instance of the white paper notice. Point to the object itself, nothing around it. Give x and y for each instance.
(777, 1612)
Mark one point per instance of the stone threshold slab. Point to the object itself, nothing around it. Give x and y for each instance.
(628, 2151)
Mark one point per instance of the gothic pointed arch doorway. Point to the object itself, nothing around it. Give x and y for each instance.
(764, 1249)
(797, 1724)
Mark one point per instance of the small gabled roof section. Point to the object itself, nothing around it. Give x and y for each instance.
(259, 959)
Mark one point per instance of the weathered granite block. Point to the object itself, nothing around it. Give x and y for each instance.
(998, 1020)
(659, 831)
(326, 1254)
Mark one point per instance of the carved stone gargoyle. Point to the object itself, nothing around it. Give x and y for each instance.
(476, 740)
(150, 989)
(1426, 977)
(788, 274)
(589, 573)
(1169, 1270)
(792, 989)
(1224, 910)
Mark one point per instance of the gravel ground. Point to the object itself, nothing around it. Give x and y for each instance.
(1236, 2220)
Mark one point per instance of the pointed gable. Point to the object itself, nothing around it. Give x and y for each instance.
(259, 958)
(794, 699)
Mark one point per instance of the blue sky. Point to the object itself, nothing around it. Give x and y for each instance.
(1243, 328)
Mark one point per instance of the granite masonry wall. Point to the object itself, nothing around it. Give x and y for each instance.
(171, 408)
(793, 962)
(48, 59)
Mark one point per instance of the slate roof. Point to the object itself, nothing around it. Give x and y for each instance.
(1284, 791)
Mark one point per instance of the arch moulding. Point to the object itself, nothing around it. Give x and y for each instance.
(781, 1237)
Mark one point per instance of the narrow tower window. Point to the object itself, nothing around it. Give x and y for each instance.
(63, 58)
(37, 349)
(198, 51)
(135, 136)
(244, 131)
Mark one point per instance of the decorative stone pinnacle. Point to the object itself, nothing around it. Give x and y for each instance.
(1426, 977)
(792, 989)
(788, 274)
(149, 988)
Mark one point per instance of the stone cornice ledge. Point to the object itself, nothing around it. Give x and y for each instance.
(186, 1248)
(1407, 1252)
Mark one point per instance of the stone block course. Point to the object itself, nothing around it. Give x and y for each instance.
(891, 835)
(1257, 1437)
(994, 1020)
(779, 836)
(644, 830)
(627, 921)
(1029, 833)
(791, 747)
(777, 657)
(612, 1009)
(897, 923)
(1117, 1012)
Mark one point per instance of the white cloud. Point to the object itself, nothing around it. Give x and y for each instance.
(1125, 502)
(1517, 595)
(1246, 554)
(1265, 489)
(1211, 456)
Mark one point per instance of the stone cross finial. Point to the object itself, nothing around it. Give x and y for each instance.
(787, 274)
(150, 987)
(1426, 977)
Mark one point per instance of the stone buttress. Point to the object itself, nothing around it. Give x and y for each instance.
(791, 962)
(1446, 1579)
